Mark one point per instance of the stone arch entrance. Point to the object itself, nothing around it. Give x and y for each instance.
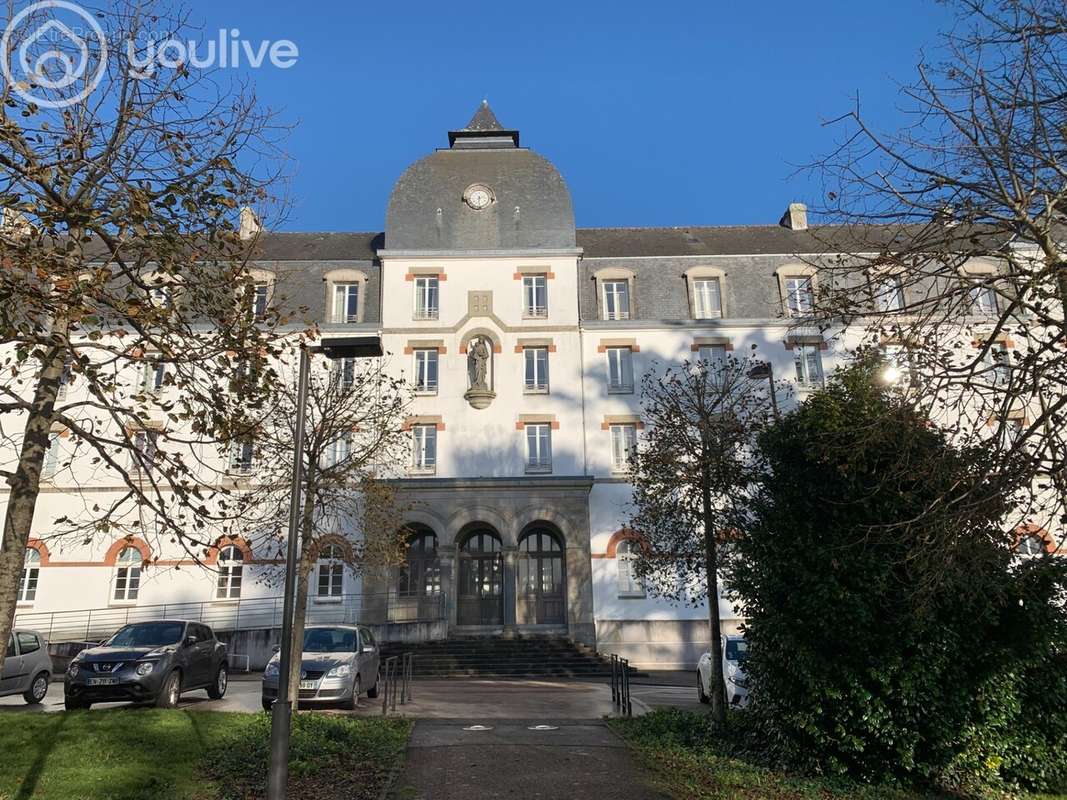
(540, 599)
(480, 590)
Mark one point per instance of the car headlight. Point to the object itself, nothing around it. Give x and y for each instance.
(271, 669)
(73, 668)
(340, 671)
(145, 667)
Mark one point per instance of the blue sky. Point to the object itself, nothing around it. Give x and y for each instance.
(668, 113)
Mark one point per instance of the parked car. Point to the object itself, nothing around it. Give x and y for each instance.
(148, 662)
(735, 651)
(338, 662)
(27, 666)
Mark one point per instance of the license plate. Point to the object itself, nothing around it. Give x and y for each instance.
(103, 681)
(308, 684)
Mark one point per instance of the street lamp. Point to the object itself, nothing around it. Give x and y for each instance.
(762, 370)
(281, 712)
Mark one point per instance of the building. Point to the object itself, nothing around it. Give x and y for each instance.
(526, 339)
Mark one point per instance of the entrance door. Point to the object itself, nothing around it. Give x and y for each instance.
(481, 581)
(541, 579)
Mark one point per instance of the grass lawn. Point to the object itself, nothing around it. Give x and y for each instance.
(688, 772)
(138, 754)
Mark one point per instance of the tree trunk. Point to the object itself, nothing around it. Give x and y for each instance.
(25, 487)
(717, 694)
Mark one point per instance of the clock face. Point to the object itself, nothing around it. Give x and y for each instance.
(478, 197)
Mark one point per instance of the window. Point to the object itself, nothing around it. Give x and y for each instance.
(539, 447)
(1013, 432)
(128, 574)
(899, 364)
(623, 444)
(426, 371)
(799, 295)
(889, 294)
(808, 361)
(260, 297)
(625, 554)
(420, 576)
(424, 448)
(535, 296)
(28, 643)
(242, 454)
(31, 571)
(161, 296)
(51, 456)
(346, 302)
(144, 445)
(620, 369)
(998, 361)
(338, 451)
(426, 298)
(343, 373)
(536, 359)
(616, 299)
(231, 569)
(984, 300)
(1030, 546)
(331, 573)
(713, 357)
(707, 298)
(65, 379)
(153, 376)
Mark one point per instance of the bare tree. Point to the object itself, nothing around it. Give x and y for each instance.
(949, 238)
(354, 440)
(692, 471)
(125, 302)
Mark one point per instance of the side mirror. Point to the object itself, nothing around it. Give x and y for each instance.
(276, 649)
(190, 641)
(368, 648)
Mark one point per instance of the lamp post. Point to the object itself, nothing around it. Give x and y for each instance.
(281, 712)
(762, 370)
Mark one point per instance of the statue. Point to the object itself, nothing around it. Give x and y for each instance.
(478, 363)
(479, 358)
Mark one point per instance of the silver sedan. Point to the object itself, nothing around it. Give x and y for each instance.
(339, 663)
(27, 666)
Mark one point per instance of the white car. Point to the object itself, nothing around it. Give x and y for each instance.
(735, 651)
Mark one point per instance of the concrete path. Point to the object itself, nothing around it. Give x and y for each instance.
(580, 759)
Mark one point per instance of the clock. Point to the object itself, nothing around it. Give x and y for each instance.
(478, 196)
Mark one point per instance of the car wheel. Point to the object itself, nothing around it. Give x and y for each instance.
(218, 689)
(372, 692)
(700, 690)
(171, 691)
(38, 689)
(352, 703)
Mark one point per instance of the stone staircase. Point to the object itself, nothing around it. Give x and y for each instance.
(521, 657)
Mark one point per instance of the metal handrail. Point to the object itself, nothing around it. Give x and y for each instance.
(620, 685)
(398, 672)
(225, 616)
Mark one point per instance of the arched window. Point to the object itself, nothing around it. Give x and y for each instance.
(231, 569)
(1030, 545)
(128, 574)
(31, 570)
(421, 574)
(629, 585)
(331, 573)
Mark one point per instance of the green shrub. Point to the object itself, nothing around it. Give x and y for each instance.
(889, 641)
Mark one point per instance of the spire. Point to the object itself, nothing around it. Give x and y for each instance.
(483, 131)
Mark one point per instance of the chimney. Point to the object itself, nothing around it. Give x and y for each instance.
(250, 224)
(795, 218)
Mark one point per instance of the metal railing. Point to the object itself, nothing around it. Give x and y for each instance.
(398, 673)
(620, 685)
(227, 616)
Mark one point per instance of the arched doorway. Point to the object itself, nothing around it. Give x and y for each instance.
(480, 599)
(541, 583)
(419, 583)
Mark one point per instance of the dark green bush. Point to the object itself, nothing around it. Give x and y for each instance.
(889, 641)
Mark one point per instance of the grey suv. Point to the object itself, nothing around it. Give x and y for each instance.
(27, 666)
(339, 663)
(148, 662)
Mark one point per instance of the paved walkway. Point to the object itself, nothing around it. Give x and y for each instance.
(580, 759)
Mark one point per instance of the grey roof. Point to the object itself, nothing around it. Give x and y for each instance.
(484, 119)
(318, 246)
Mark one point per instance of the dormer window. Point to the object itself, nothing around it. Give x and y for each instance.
(260, 300)
(800, 295)
(346, 302)
(616, 299)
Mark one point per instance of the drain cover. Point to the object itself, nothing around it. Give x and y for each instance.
(478, 728)
(543, 728)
